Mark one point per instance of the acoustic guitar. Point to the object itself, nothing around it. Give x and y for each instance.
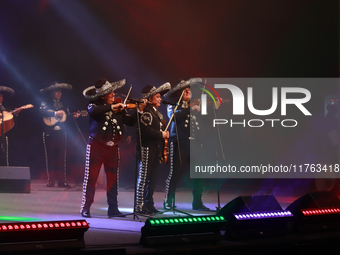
(8, 118)
(51, 121)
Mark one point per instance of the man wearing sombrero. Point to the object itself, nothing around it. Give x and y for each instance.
(152, 137)
(184, 130)
(107, 120)
(54, 133)
(5, 93)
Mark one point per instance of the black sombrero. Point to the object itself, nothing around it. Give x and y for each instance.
(149, 90)
(101, 88)
(6, 91)
(56, 85)
(176, 91)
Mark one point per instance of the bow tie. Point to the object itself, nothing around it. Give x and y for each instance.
(58, 105)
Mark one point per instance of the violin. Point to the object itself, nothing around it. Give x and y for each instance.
(164, 156)
(128, 105)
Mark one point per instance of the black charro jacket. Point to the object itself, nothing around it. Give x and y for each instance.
(47, 110)
(187, 122)
(151, 127)
(105, 125)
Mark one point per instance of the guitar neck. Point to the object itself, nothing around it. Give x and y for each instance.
(14, 111)
(22, 108)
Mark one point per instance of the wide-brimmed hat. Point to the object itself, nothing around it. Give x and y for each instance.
(55, 86)
(101, 88)
(6, 91)
(150, 90)
(176, 91)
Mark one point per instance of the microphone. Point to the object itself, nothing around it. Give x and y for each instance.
(170, 103)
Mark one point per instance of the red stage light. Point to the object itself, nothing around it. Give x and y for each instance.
(47, 235)
(320, 211)
(43, 225)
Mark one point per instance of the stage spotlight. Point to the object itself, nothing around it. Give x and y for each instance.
(316, 212)
(191, 229)
(44, 235)
(255, 216)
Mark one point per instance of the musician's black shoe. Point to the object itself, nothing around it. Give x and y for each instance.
(154, 210)
(50, 183)
(200, 207)
(146, 211)
(64, 184)
(86, 213)
(114, 212)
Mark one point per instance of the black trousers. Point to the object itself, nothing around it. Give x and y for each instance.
(98, 154)
(179, 168)
(4, 159)
(147, 177)
(55, 145)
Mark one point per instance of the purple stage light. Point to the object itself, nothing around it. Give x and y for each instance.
(262, 215)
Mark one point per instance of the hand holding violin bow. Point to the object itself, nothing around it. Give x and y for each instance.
(128, 103)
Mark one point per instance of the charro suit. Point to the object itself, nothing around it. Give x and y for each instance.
(106, 130)
(55, 143)
(183, 130)
(151, 137)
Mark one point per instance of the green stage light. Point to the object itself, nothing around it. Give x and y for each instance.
(188, 220)
(16, 218)
(157, 231)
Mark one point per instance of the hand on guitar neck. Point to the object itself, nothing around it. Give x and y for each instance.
(7, 118)
(61, 114)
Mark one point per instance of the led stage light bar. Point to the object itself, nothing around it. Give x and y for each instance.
(320, 211)
(189, 229)
(42, 235)
(262, 215)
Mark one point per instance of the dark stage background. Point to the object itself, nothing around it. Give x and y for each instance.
(150, 42)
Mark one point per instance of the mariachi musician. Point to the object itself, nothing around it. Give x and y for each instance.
(107, 119)
(152, 137)
(54, 112)
(5, 93)
(183, 130)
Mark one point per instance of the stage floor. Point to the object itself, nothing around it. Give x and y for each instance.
(119, 234)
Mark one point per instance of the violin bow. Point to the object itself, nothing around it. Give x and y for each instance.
(218, 130)
(179, 100)
(128, 94)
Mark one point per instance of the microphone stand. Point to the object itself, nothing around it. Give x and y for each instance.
(77, 182)
(136, 172)
(138, 153)
(3, 152)
(218, 207)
